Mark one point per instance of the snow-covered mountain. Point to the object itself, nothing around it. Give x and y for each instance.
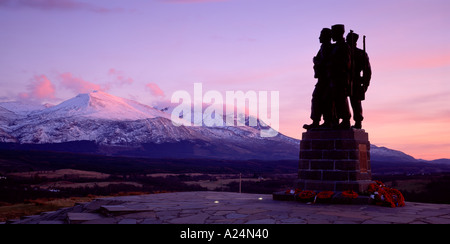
(102, 123)
(386, 154)
(120, 126)
(21, 107)
(101, 105)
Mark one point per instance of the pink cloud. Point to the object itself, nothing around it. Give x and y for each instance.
(414, 60)
(119, 77)
(78, 85)
(40, 88)
(56, 5)
(430, 61)
(155, 90)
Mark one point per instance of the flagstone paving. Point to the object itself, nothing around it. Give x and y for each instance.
(234, 208)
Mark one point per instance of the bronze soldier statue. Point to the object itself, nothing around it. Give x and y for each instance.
(339, 74)
(360, 64)
(321, 103)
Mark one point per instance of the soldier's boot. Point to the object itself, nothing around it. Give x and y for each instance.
(358, 125)
(344, 125)
(315, 124)
(335, 124)
(326, 125)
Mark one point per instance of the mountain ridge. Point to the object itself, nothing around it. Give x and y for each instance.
(137, 129)
(126, 127)
(98, 104)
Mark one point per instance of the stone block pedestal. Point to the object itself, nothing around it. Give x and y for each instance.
(334, 160)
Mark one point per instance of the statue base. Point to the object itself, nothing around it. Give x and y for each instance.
(334, 160)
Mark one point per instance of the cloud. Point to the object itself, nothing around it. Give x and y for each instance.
(78, 85)
(66, 5)
(119, 77)
(155, 90)
(414, 60)
(40, 88)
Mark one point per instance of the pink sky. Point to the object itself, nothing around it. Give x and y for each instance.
(146, 50)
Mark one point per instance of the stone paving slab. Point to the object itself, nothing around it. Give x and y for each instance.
(234, 208)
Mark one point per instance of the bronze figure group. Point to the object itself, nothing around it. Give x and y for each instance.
(342, 70)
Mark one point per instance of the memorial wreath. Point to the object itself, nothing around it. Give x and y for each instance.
(386, 196)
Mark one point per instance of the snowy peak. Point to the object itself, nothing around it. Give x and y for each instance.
(22, 107)
(386, 154)
(101, 105)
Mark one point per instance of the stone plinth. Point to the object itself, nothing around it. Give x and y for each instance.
(334, 160)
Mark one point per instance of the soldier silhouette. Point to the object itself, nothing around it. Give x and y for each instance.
(339, 74)
(321, 104)
(360, 64)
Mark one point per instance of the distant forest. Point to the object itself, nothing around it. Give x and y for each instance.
(20, 161)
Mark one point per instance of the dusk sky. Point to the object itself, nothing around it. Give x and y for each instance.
(145, 50)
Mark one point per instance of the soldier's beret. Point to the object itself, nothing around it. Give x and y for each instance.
(352, 36)
(338, 28)
(326, 32)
